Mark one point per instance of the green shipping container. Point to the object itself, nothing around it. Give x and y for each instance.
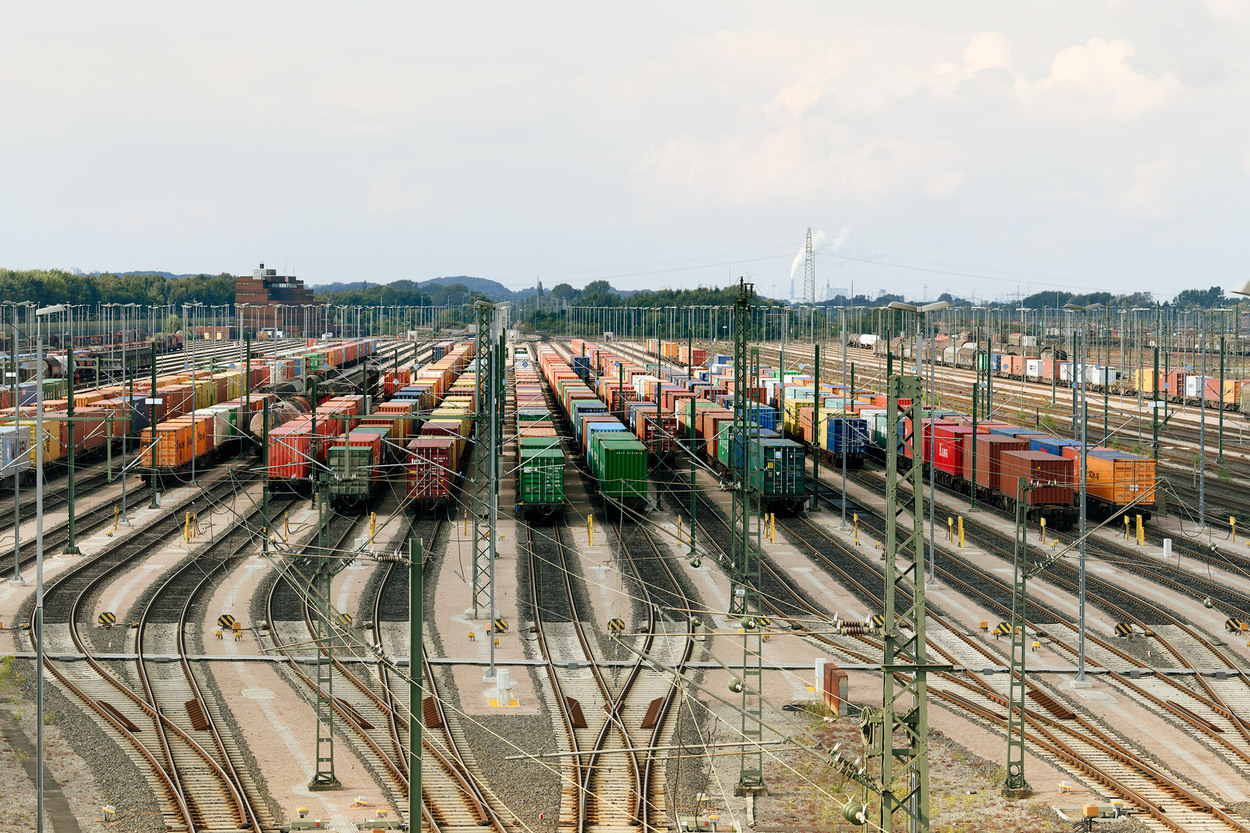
(779, 468)
(352, 466)
(542, 477)
(619, 461)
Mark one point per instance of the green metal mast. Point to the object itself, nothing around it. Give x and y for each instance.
(324, 778)
(156, 501)
(694, 559)
(416, 697)
(745, 603)
(816, 427)
(897, 735)
(1015, 786)
(71, 546)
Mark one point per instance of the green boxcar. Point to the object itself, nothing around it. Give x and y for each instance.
(541, 478)
(619, 462)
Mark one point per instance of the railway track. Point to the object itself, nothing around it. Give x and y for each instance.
(195, 792)
(173, 690)
(1064, 737)
(613, 778)
(453, 794)
(290, 610)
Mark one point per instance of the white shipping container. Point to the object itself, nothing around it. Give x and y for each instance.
(221, 425)
(1194, 385)
(14, 451)
(1033, 368)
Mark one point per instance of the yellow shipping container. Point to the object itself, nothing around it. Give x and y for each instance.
(1121, 481)
(52, 448)
(790, 414)
(1144, 380)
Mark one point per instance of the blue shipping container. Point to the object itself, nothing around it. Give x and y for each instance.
(596, 427)
(847, 435)
(1053, 445)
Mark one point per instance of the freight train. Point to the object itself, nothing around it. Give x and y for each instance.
(422, 428)
(437, 450)
(540, 458)
(851, 424)
(615, 458)
(661, 405)
(1178, 386)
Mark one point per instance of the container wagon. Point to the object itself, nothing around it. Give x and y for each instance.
(540, 457)
(435, 445)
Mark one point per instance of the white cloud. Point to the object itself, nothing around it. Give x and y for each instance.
(1095, 80)
(1151, 192)
(945, 185)
(986, 50)
(1226, 9)
(797, 98)
(388, 196)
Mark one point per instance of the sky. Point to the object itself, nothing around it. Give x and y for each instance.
(985, 149)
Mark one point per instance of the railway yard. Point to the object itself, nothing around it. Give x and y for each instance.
(659, 588)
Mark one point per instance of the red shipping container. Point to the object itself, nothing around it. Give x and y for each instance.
(1051, 476)
(990, 448)
(948, 448)
(926, 435)
(290, 446)
(365, 439)
(90, 430)
(656, 435)
(1175, 383)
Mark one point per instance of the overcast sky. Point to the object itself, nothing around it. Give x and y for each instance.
(981, 148)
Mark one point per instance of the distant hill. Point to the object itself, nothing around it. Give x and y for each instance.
(493, 290)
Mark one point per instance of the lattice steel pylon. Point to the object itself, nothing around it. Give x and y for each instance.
(809, 271)
(902, 762)
(745, 602)
(324, 777)
(484, 455)
(1014, 785)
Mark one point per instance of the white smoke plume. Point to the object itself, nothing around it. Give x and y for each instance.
(820, 243)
